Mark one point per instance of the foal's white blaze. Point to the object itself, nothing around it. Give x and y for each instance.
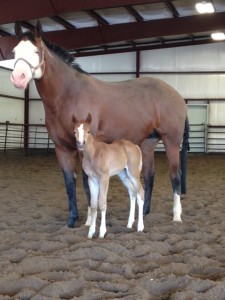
(177, 208)
(22, 73)
(81, 134)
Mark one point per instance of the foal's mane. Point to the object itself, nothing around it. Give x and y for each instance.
(60, 52)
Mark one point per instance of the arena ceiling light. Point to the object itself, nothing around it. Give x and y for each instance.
(218, 36)
(204, 7)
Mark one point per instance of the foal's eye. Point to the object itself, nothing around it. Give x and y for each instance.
(88, 131)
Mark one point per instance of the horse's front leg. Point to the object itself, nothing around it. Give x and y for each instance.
(103, 190)
(86, 190)
(88, 197)
(94, 189)
(70, 182)
(132, 194)
(140, 201)
(67, 161)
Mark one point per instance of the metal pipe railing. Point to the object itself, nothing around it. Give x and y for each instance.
(202, 138)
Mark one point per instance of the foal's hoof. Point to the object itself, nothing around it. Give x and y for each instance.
(140, 228)
(177, 220)
(91, 233)
(102, 234)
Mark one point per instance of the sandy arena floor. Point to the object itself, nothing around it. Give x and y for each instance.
(42, 259)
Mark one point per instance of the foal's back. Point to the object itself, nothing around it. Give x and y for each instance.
(111, 159)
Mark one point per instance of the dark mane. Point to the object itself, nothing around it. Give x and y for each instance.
(60, 52)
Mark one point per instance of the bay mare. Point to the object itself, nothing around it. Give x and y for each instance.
(142, 110)
(101, 161)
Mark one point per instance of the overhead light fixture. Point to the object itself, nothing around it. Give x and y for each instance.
(218, 36)
(204, 7)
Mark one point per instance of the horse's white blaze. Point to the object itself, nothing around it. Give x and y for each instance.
(177, 208)
(22, 73)
(81, 134)
(27, 50)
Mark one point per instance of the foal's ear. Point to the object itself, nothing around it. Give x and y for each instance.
(74, 120)
(18, 29)
(38, 29)
(89, 118)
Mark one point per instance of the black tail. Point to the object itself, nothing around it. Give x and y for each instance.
(183, 162)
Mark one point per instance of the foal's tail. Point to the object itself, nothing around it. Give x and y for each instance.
(185, 148)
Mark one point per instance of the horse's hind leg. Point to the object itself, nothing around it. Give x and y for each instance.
(172, 152)
(134, 177)
(132, 194)
(147, 149)
(103, 190)
(140, 201)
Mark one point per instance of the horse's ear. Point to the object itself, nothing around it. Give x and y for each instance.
(38, 29)
(18, 29)
(74, 120)
(89, 118)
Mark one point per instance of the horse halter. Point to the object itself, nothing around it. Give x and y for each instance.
(32, 68)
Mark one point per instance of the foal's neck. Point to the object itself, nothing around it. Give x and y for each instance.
(92, 146)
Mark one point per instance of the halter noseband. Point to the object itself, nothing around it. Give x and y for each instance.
(32, 68)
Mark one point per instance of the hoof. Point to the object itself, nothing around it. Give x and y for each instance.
(88, 223)
(177, 219)
(130, 224)
(71, 222)
(146, 212)
(102, 234)
(140, 228)
(90, 234)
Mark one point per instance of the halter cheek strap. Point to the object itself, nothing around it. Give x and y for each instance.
(32, 68)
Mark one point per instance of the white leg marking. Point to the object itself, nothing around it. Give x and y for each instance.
(93, 223)
(140, 225)
(132, 211)
(177, 208)
(103, 229)
(94, 189)
(88, 221)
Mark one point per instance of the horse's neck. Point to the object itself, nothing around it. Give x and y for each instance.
(91, 148)
(57, 79)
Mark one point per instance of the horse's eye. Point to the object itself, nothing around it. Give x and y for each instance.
(88, 131)
(37, 51)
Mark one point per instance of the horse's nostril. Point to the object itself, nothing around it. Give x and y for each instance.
(22, 76)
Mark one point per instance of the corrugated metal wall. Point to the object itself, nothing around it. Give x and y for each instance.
(196, 72)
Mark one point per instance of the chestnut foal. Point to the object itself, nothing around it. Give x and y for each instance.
(101, 161)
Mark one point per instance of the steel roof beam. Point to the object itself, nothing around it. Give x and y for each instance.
(92, 36)
(12, 10)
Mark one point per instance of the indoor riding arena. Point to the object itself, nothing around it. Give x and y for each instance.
(42, 256)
